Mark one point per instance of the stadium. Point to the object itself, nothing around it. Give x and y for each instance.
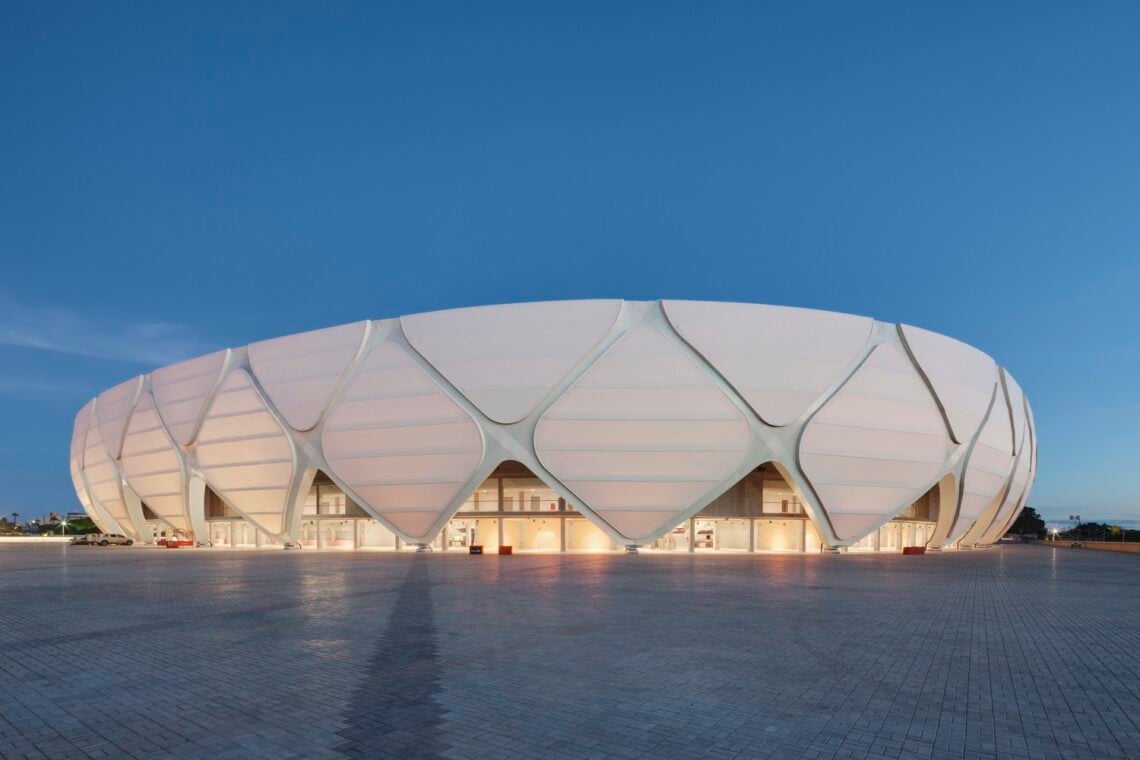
(594, 425)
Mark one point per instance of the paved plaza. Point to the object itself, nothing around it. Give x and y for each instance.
(1009, 652)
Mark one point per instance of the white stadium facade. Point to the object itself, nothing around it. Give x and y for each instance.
(595, 425)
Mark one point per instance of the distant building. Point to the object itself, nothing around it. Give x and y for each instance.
(51, 517)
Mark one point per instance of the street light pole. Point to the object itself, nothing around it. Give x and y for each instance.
(1076, 520)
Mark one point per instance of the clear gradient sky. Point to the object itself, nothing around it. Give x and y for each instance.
(175, 178)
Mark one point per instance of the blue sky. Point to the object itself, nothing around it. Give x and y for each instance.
(178, 178)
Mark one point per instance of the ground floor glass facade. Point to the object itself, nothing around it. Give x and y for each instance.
(514, 508)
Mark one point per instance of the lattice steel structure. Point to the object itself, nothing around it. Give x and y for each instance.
(637, 413)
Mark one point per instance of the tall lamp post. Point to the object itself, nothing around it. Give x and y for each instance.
(1076, 524)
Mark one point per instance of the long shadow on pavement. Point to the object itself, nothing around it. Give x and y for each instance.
(394, 712)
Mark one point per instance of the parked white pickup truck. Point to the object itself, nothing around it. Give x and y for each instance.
(106, 539)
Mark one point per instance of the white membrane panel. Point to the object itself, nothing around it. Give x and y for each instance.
(506, 359)
(103, 479)
(152, 466)
(402, 444)
(84, 499)
(75, 462)
(1011, 507)
(114, 407)
(1032, 427)
(79, 432)
(643, 435)
(987, 469)
(299, 372)
(245, 454)
(779, 358)
(962, 377)
(1017, 409)
(1013, 500)
(1020, 507)
(180, 392)
(875, 446)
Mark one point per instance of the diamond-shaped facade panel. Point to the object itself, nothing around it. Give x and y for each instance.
(299, 372)
(400, 442)
(245, 453)
(103, 483)
(75, 464)
(1011, 502)
(506, 359)
(779, 358)
(876, 446)
(79, 432)
(84, 499)
(642, 435)
(1020, 506)
(181, 391)
(112, 410)
(987, 469)
(1032, 427)
(1018, 493)
(962, 377)
(1016, 408)
(152, 466)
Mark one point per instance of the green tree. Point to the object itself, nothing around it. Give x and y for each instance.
(83, 525)
(1028, 523)
(74, 527)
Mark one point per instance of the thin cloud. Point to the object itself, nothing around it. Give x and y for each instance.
(42, 387)
(63, 331)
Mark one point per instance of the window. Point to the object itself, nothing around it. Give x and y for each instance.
(779, 535)
(533, 533)
(528, 495)
(327, 499)
(521, 493)
(582, 535)
(781, 501)
(732, 535)
(484, 499)
(330, 500)
(676, 540)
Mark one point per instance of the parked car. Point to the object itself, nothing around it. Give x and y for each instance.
(83, 540)
(117, 539)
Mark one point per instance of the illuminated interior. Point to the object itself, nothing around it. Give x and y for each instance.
(513, 507)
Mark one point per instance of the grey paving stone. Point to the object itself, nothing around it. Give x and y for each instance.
(1015, 652)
